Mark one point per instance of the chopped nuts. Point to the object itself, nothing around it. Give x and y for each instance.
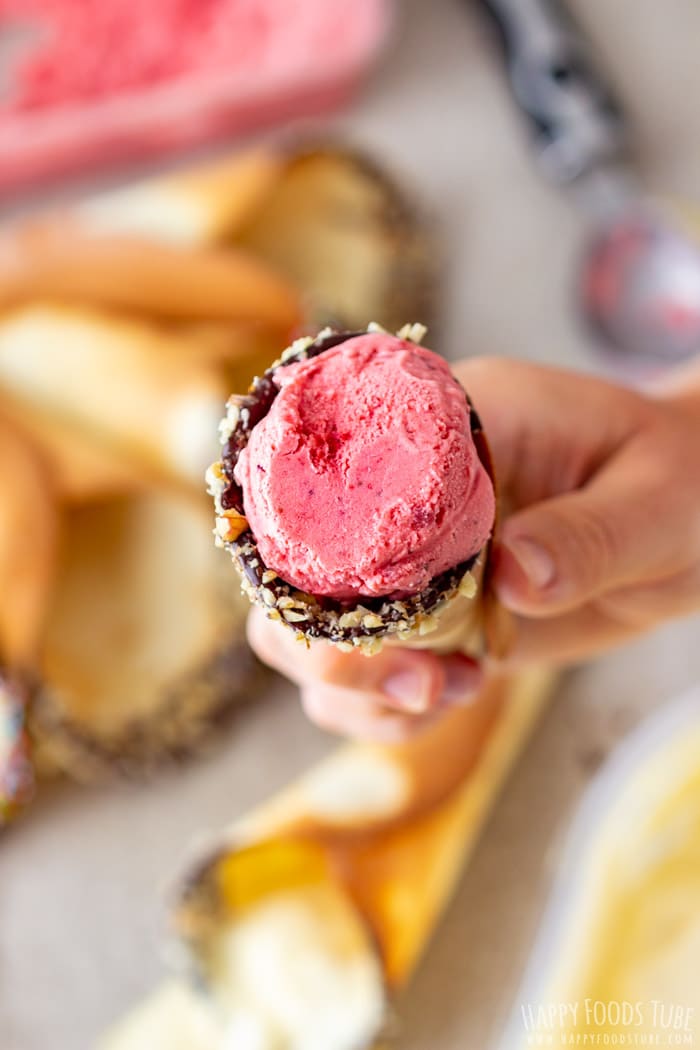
(230, 525)
(370, 646)
(230, 421)
(427, 625)
(415, 333)
(215, 479)
(297, 347)
(467, 586)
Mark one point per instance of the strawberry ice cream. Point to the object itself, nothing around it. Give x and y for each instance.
(363, 478)
(87, 83)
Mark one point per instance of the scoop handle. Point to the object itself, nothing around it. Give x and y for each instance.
(573, 117)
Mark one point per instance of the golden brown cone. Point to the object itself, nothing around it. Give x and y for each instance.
(80, 468)
(86, 458)
(28, 534)
(28, 527)
(393, 824)
(476, 626)
(116, 382)
(58, 260)
(343, 230)
(196, 206)
(143, 649)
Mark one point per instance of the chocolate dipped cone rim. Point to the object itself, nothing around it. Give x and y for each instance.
(347, 624)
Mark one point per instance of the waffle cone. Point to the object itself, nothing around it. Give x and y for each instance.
(384, 831)
(390, 826)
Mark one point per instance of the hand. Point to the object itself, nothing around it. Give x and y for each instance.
(600, 541)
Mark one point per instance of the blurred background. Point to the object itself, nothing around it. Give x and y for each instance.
(182, 193)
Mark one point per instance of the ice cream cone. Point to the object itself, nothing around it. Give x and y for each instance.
(28, 530)
(475, 624)
(455, 610)
(56, 261)
(201, 205)
(152, 417)
(376, 836)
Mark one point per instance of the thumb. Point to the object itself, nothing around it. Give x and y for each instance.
(562, 552)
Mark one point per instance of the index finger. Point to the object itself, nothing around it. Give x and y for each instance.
(549, 430)
(398, 676)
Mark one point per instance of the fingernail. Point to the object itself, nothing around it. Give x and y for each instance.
(407, 689)
(535, 561)
(462, 679)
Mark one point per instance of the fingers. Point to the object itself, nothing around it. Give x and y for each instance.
(604, 622)
(603, 538)
(395, 677)
(357, 715)
(549, 430)
(363, 713)
(388, 697)
(567, 639)
(611, 533)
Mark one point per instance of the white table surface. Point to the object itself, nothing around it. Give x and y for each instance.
(81, 879)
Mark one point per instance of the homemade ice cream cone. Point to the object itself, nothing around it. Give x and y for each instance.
(53, 261)
(28, 530)
(418, 552)
(373, 839)
(198, 206)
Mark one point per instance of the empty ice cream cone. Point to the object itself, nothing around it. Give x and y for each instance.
(28, 527)
(306, 916)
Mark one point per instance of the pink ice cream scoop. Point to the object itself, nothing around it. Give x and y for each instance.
(363, 478)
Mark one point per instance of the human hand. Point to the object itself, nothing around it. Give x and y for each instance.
(600, 541)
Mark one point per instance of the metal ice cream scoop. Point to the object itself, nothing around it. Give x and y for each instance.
(640, 277)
